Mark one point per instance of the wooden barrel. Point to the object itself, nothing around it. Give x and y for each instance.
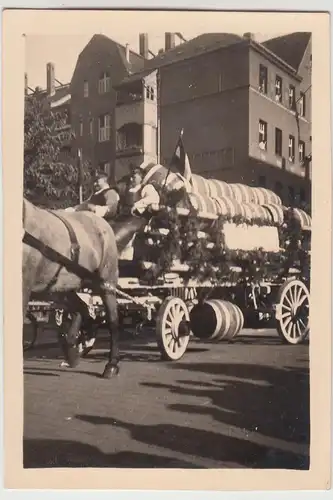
(219, 189)
(200, 185)
(266, 196)
(303, 218)
(275, 213)
(158, 174)
(216, 320)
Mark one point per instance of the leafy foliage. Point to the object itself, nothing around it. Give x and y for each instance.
(51, 177)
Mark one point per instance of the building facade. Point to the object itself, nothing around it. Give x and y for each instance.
(246, 114)
(101, 65)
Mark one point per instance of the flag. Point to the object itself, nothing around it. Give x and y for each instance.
(180, 159)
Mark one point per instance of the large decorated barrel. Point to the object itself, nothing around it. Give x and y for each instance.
(274, 212)
(219, 189)
(303, 218)
(199, 185)
(216, 320)
(265, 196)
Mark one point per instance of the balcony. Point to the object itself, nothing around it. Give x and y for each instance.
(129, 150)
(129, 140)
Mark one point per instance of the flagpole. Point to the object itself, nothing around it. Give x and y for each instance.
(79, 152)
(169, 169)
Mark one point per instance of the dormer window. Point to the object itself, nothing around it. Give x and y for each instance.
(104, 83)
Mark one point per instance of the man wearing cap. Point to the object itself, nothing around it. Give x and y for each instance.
(104, 202)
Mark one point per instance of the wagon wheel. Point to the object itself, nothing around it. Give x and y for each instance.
(172, 328)
(293, 311)
(28, 343)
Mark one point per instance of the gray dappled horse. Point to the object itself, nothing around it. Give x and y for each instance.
(65, 251)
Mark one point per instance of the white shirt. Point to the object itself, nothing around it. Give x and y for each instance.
(149, 197)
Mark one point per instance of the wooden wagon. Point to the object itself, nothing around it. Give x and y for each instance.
(208, 263)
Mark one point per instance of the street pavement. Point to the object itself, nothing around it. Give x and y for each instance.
(236, 405)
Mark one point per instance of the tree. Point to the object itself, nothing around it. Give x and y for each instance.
(49, 181)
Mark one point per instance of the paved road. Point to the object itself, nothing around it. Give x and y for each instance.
(223, 405)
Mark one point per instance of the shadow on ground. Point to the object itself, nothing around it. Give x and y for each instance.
(206, 444)
(46, 453)
(274, 402)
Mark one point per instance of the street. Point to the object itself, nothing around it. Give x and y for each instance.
(244, 404)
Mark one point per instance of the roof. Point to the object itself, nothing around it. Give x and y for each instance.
(289, 47)
(198, 45)
(136, 61)
(136, 77)
(61, 95)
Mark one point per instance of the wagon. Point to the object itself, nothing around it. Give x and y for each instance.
(213, 299)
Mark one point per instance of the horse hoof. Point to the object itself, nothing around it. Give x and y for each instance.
(73, 357)
(110, 371)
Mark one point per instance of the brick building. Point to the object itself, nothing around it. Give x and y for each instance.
(245, 108)
(100, 66)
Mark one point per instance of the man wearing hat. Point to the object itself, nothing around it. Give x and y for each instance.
(104, 202)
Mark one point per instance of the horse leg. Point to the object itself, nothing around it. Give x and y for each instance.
(110, 303)
(68, 341)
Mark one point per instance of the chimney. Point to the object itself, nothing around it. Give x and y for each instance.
(143, 42)
(25, 83)
(127, 52)
(249, 36)
(170, 41)
(50, 79)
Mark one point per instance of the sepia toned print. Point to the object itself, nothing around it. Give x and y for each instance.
(167, 252)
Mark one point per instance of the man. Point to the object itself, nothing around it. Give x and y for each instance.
(141, 197)
(104, 202)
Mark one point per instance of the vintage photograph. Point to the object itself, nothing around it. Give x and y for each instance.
(166, 249)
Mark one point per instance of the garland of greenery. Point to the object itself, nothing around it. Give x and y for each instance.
(215, 264)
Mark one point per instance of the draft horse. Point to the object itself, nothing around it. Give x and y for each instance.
(64, 252)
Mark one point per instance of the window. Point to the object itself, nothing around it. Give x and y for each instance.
(150, 93)
(105, 167)
(291, 148)
(278, 89)
(262, 181)
(301, 151)
(278, 142)
(81, 127)
(301, 104)
(291, 194)
(104, 128)
(85, 89)
(104, 84)
(263, 79)
(262, 135)
(278, 188)
(91, 126)
(292, 97)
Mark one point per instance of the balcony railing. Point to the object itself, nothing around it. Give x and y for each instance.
(129, 150)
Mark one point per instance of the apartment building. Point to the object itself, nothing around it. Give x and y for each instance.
(101, 65)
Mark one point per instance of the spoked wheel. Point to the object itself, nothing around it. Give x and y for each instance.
(30, 332)
(292, 312)
(172, 328)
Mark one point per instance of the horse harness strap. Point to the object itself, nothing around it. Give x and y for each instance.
(75, 247)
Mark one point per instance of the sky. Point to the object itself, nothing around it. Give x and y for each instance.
(64, 50)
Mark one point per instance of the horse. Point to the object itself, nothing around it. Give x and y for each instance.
(63, 252)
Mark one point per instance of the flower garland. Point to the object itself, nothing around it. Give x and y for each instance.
(214, 262)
